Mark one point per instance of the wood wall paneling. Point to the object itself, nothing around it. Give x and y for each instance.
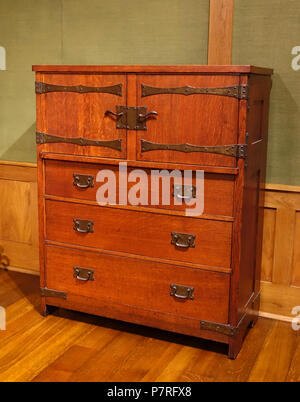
(281, 252)
(18, 216)
(220, 31)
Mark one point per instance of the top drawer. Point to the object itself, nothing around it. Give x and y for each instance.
(72, 112)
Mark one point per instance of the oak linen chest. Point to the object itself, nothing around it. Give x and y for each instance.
(152, 263)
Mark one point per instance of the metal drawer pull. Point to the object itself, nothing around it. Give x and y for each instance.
(183, 240)
(184, 192)
(182, 292)
(83, 274)
(83, 226)
(83, 181)
(146, 116)
(118, 115)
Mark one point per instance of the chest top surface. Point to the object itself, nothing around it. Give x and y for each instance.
(205, 69)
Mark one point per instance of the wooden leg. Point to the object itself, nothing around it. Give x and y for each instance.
(254, 321)
(236, 342)
(46, 309)
(234, 347)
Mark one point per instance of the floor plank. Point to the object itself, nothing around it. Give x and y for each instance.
(294, 371)
(273, 363)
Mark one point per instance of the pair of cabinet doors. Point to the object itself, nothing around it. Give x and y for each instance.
(168, 117)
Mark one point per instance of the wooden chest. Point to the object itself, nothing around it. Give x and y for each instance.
(141, 257)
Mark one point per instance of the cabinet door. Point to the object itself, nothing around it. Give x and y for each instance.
(185, 117)
(71, 114)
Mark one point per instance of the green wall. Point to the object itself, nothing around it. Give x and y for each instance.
(265, 32)
(87, 32)
(146, 32)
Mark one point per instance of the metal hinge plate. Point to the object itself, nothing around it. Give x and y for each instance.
(220, 328)
(45, 292)
(224, 329)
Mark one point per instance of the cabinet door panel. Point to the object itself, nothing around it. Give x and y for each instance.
(76, 113)
(196, 119)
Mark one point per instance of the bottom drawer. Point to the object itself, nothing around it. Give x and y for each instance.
(135, 282)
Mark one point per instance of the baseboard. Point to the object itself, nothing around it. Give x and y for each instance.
(23, 270)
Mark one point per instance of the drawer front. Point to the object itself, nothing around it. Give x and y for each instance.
(199, 241)
(79, 181)
(186, 115)
(73, 107)
(115, 278)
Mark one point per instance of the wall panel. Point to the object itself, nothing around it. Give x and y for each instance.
(87, 32)
(267, 33)
(18, 216)
(281, 252)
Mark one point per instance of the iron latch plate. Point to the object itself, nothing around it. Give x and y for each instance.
(130, 117)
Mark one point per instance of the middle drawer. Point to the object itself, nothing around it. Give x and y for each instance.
(198, 241)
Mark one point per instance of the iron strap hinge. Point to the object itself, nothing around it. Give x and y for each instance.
(45, 292)
(43, 88)
(43, 138)
(237, 150)
(240, 92)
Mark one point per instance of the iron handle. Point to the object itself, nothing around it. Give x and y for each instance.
(183, 245)
(183, 197)
(184, 192)
(83, 279)
(83, 274)
(117, 115)
(182, 292)
(183, 240)
(143, 117)
(83, 181)
(83, 226)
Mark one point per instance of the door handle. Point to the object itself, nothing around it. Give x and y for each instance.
(146, 116)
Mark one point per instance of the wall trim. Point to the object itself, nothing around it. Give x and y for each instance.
(220, 32)
(21, 164)
(26, 271)
(282, 187)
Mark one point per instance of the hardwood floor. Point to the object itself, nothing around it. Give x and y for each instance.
(70, 346)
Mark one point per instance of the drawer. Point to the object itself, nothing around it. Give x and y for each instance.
(79, 181)
(114, 278)
(142, 233)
